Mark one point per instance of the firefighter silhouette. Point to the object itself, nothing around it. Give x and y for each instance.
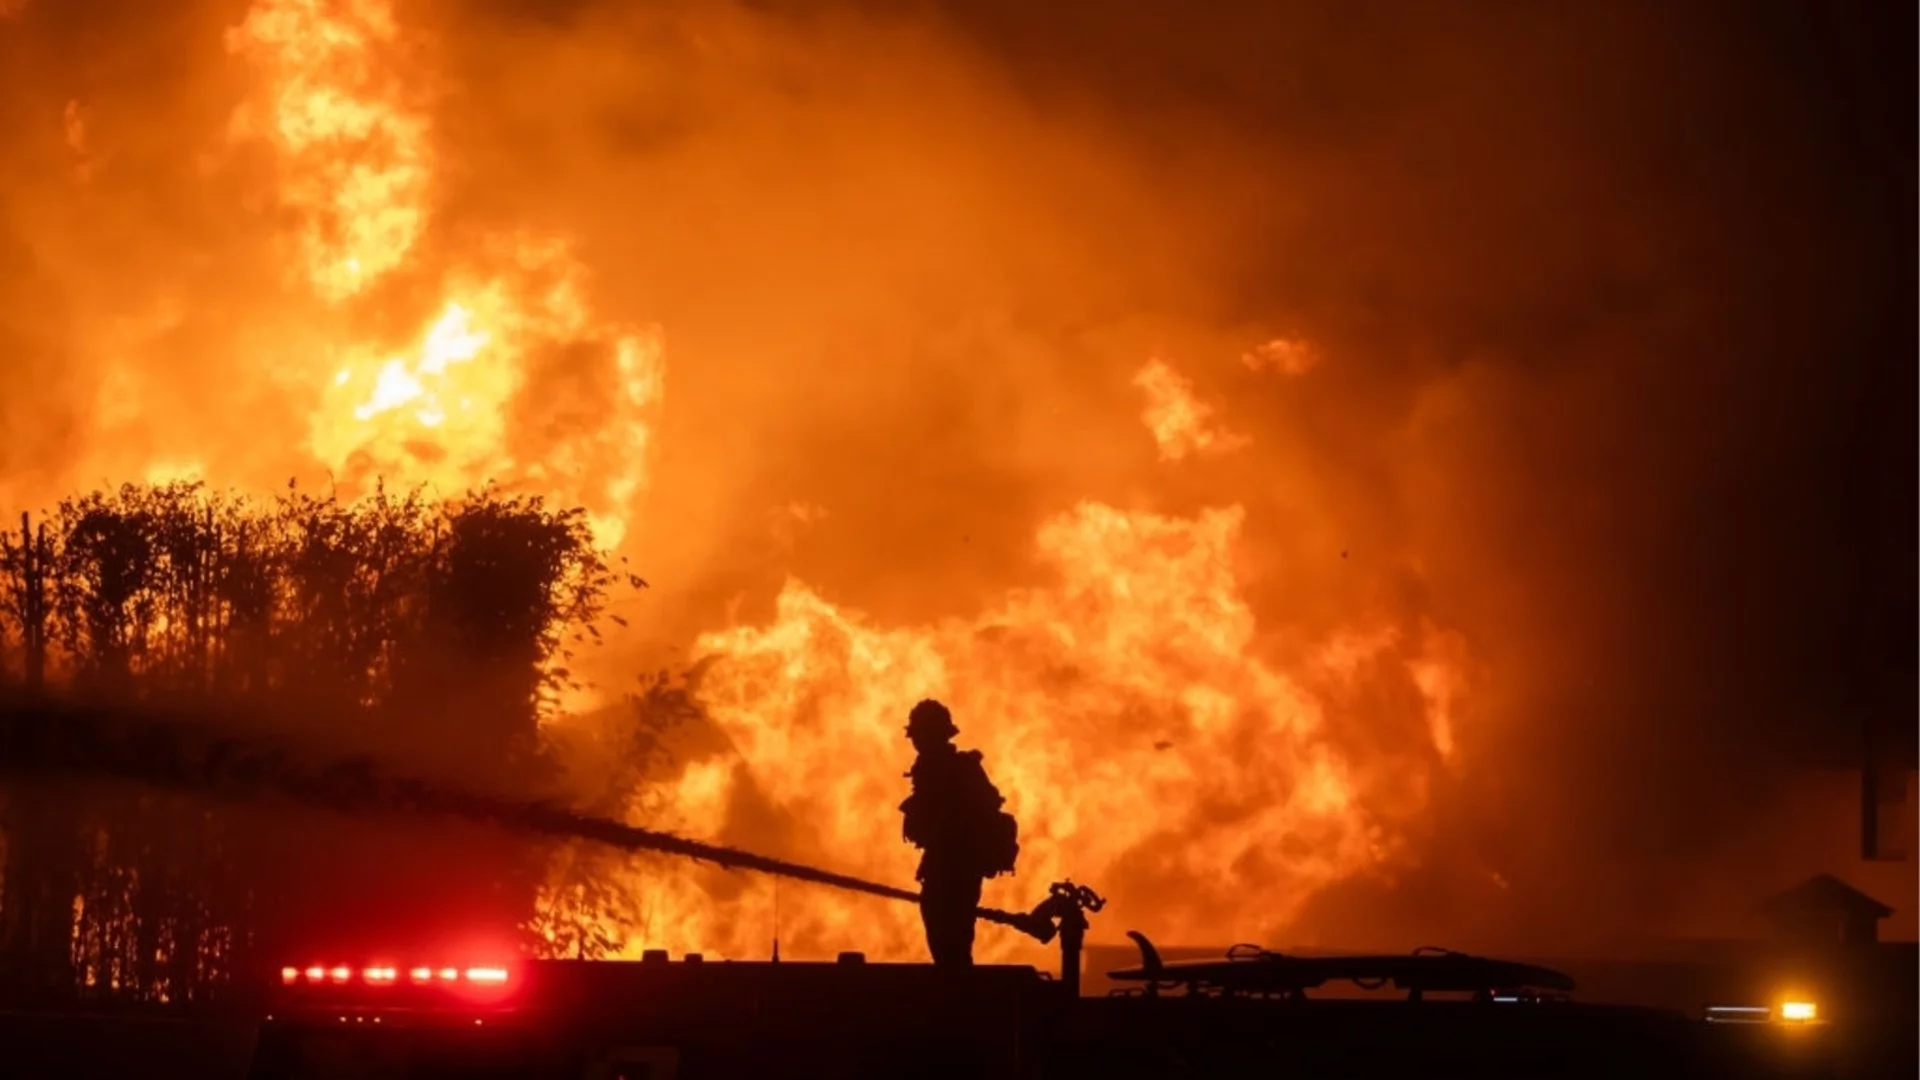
(954, 818)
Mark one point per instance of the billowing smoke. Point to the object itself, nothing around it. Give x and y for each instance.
(1564, 338)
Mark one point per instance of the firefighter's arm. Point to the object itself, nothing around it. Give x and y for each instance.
(909, 819)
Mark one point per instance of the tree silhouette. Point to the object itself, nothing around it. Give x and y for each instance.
(429, 634)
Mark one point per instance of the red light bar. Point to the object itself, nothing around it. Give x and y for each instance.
(387, 975)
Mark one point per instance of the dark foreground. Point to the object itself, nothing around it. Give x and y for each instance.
(690, 1021)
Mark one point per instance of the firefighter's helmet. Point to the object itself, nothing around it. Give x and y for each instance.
(931, 718)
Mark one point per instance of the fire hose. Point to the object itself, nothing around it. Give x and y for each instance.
(43, 737)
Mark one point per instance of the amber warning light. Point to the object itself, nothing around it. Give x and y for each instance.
(1795, 1011)
(1799, 1012)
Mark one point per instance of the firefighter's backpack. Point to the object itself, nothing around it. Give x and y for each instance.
(999, 844)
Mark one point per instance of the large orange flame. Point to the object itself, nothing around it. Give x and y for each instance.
(451, 407)
(355, 165)
(1146, 741)
(1124, 710)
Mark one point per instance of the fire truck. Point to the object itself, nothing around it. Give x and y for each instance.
(1249, 1013)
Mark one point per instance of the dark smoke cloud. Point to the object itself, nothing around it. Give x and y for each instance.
(1619, 302)
(1613, 298)
(1615, 304)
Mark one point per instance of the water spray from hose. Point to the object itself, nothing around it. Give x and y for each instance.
(42, 737)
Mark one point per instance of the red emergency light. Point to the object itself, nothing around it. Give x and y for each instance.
(389, 975)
